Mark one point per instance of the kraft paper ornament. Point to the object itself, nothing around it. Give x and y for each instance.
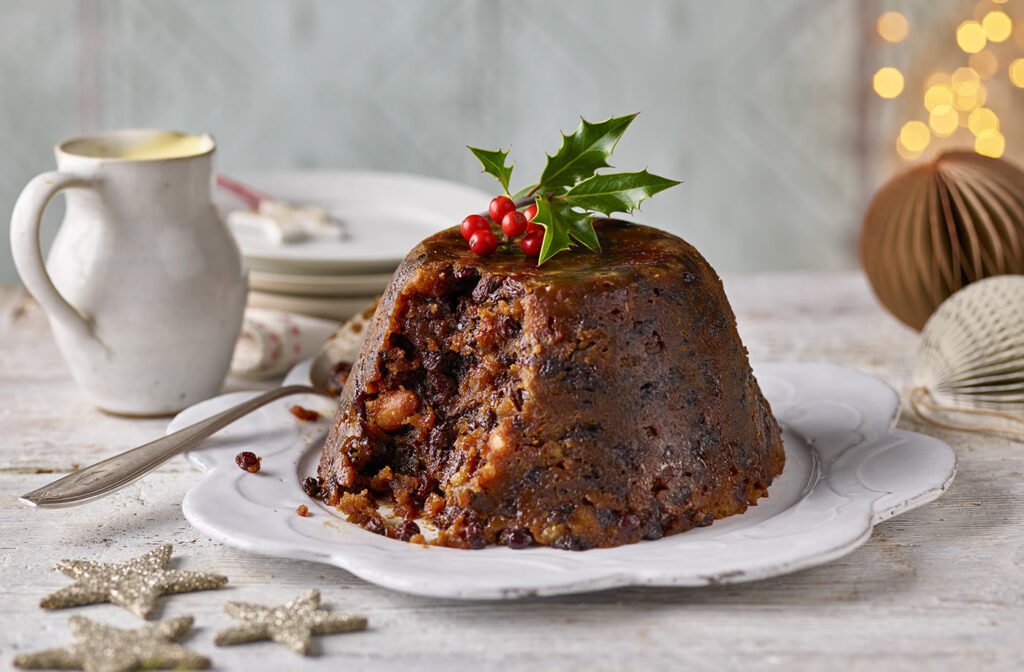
(941, 226)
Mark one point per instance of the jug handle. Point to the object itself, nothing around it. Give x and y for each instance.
(28, 255)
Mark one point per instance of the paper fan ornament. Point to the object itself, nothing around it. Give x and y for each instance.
(941, 226)
(970, 360)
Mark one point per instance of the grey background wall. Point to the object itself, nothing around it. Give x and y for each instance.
(763, 108)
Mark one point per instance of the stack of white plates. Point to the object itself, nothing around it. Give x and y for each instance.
(382, 216)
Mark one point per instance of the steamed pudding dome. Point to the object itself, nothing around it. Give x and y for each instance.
(594, 401)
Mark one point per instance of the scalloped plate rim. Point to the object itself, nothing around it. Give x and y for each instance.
(385, 564)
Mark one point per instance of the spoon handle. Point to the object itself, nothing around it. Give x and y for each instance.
(101, 479)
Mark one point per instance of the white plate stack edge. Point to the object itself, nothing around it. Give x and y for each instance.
(382, 216)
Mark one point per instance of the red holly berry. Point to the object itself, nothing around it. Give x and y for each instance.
(483, 242)
(472, 224)
(531, 242)
(530, 212)
(531, 227)
(513, 224)
(500, 206)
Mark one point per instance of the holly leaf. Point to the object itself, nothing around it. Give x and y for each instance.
(556, 230)
(581, 229)
(617, 192)
(583, 152)
(493, 161)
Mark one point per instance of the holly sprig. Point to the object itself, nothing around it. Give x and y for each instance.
(571, 191)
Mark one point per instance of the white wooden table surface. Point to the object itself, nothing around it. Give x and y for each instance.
(941, 587)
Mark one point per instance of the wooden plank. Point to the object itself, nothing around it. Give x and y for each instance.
(941, 587)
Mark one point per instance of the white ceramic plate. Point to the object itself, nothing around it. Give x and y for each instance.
(319, 285)
(384, 215)
(340, 308)
(847, 469)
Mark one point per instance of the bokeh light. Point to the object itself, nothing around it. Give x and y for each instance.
(904, 152)
(888, 82)
(893, 27)
(965, 81)
(1017, 72)
(981, 120)
(944, 120)
(915, 136)
(984, 63)
(969, 101)
(971, 37)
(997, 26)
(937, 95)
(990, 143)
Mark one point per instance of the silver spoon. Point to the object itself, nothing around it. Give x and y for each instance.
(103, 478)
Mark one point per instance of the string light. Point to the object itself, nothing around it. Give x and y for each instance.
(893, 27)
(904, 152)
(981, 120)
(990, 143)
(997, 26)
(957, 99)
(1017, 72)
(965, 81)
(915, 136)
(888, 82)
(937, 95)
(971, 37)
(944, 120)
(969, 101)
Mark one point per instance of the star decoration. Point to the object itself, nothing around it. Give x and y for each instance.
(292, 624)
(134, 584)
(103, 648)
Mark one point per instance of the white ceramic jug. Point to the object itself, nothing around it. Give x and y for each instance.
(144, 287)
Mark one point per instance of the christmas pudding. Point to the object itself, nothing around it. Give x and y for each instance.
(588, 389)
(596, 402)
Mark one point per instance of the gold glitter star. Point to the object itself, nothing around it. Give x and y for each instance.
(135, 584)
(103, 648)
(292, 624)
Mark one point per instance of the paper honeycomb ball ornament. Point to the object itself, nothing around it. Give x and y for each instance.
(971, 352)
(941, 226)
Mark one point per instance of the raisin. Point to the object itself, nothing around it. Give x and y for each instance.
(303, 511)
(248, 461)
(652, 530)
(424, 486)
(304, 413)
(474, 535)
(376, 525)
(517, 538)
(406, 530)
(311, 486)
(629, 525)
(570, 542)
